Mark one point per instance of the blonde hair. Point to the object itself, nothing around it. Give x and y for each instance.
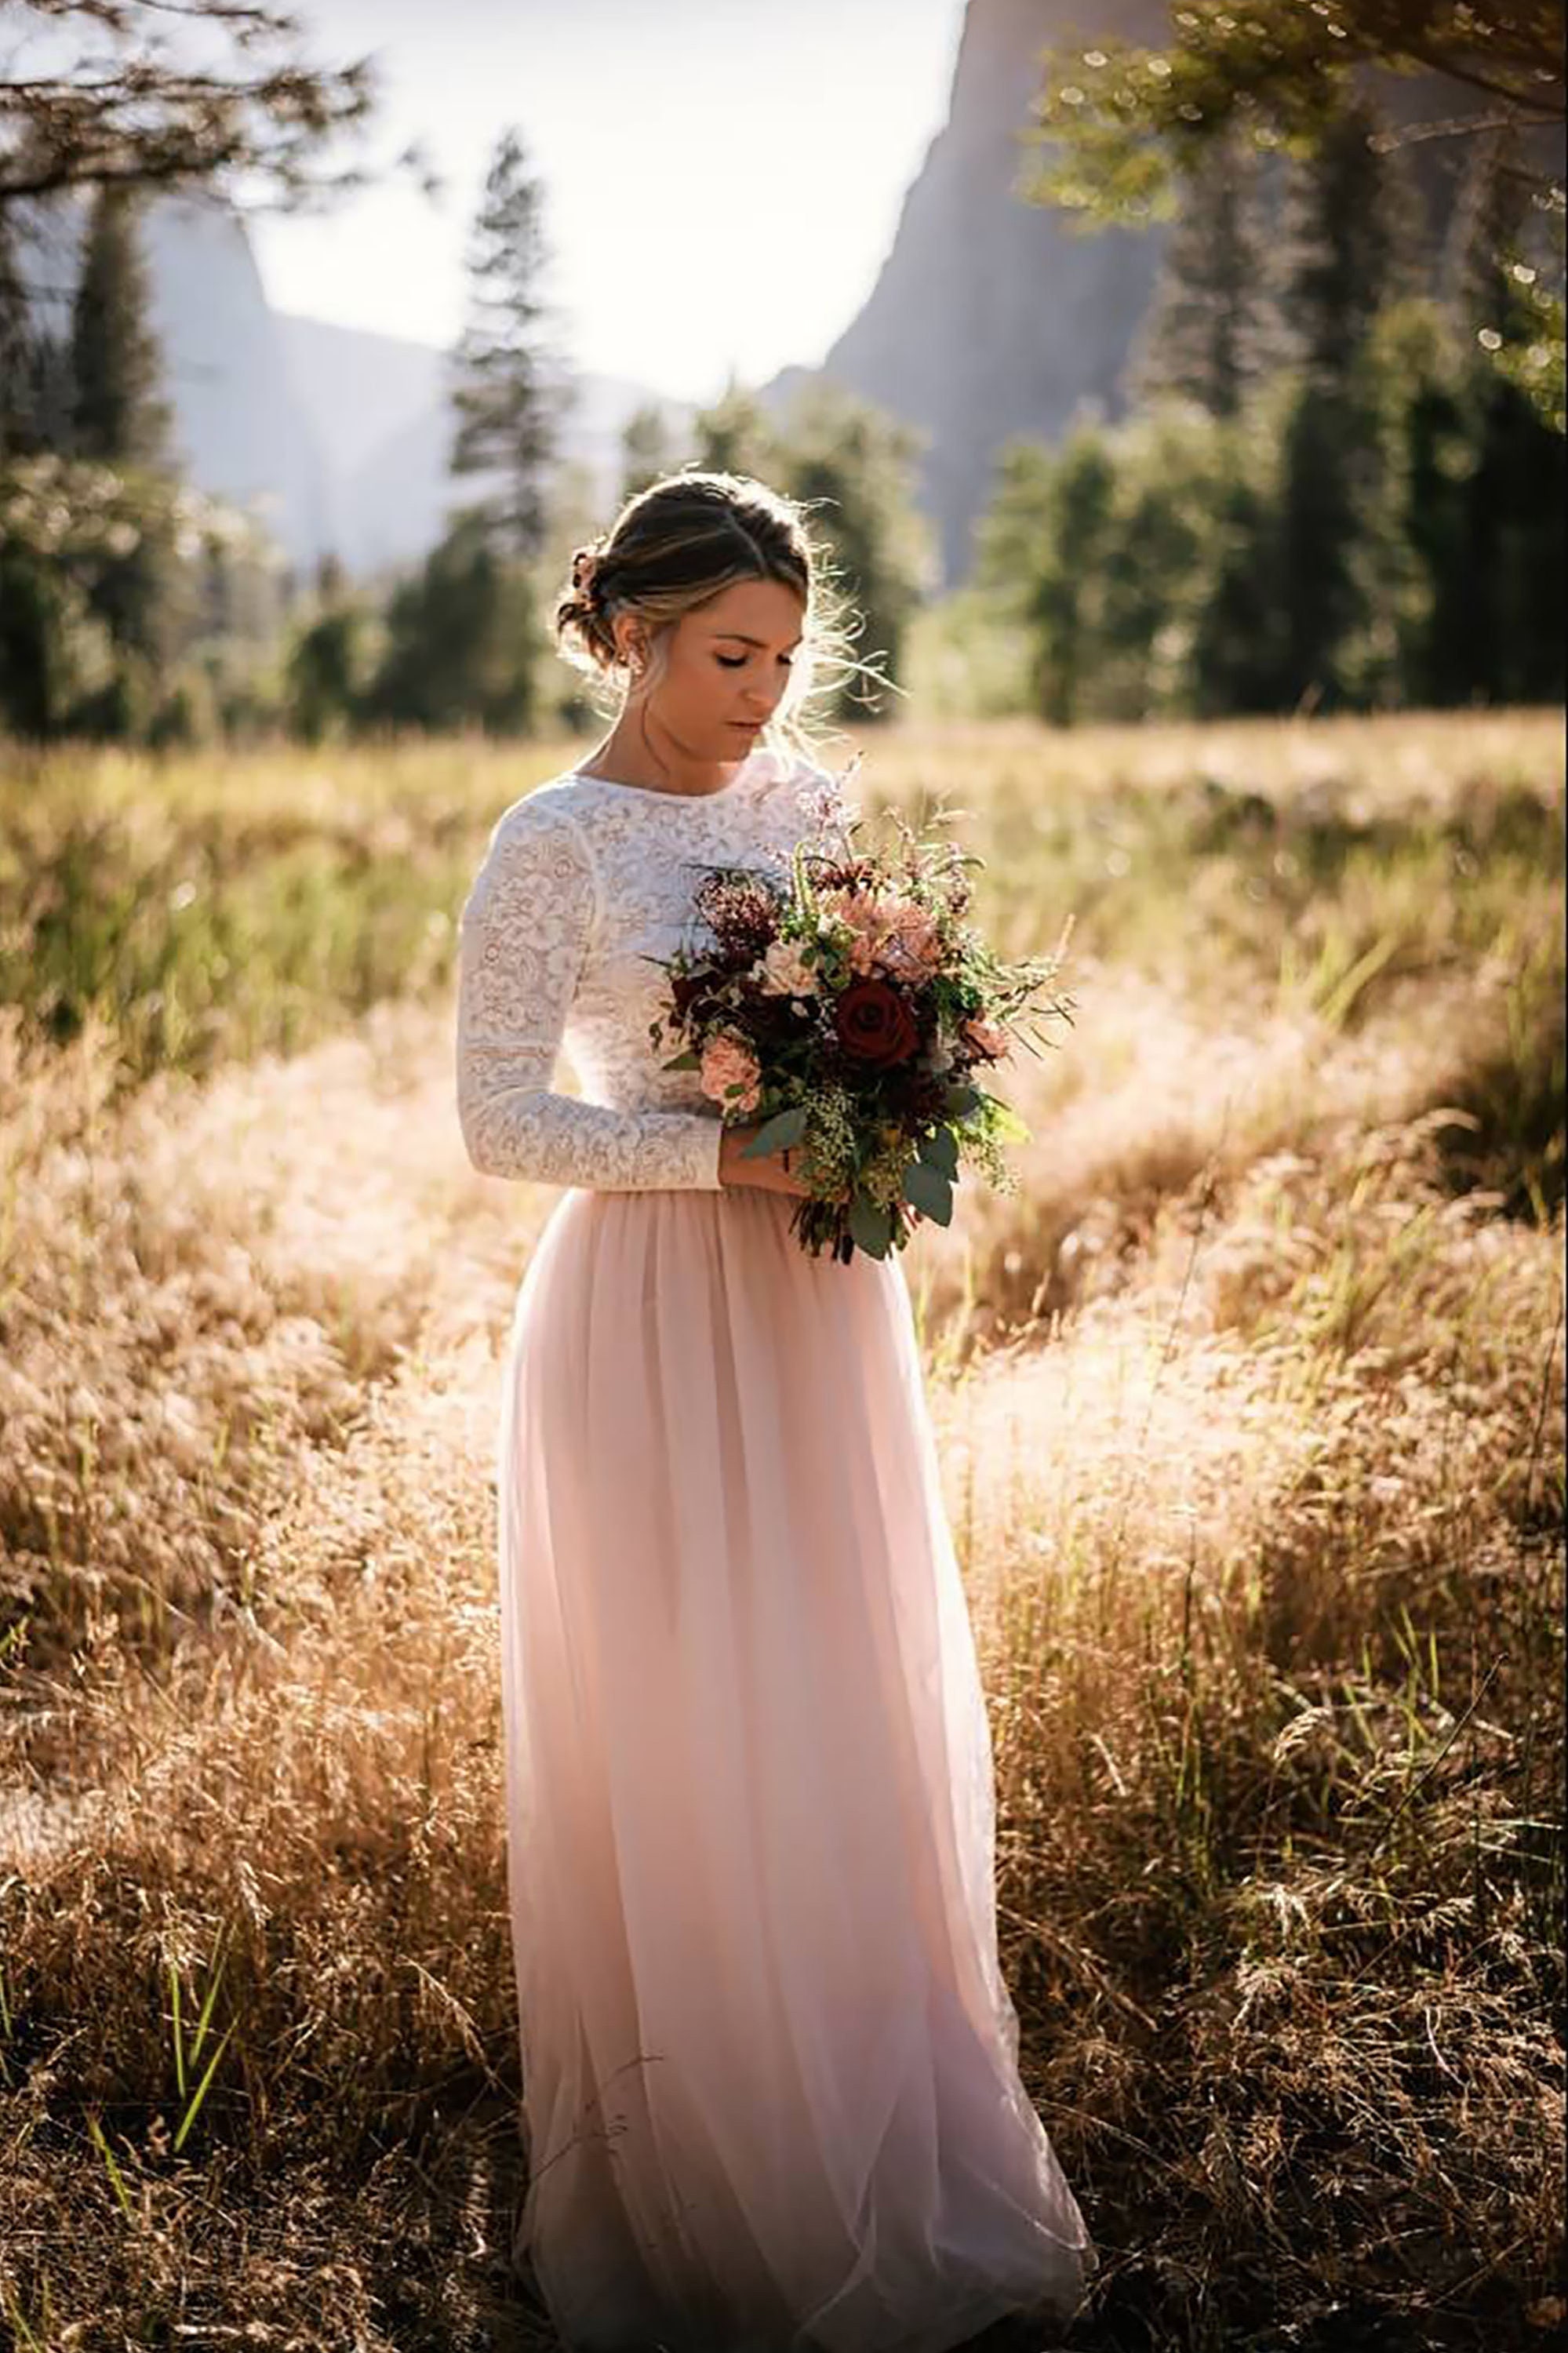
(685, 539)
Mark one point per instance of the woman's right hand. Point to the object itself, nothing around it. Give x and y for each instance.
(774, 1171)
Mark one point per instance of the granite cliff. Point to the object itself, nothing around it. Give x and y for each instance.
(992, 317)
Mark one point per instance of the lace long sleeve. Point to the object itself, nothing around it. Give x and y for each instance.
(524, 931)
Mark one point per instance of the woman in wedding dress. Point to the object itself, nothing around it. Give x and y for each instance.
(771, 2101)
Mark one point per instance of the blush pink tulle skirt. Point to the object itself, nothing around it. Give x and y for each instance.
(771, 2101)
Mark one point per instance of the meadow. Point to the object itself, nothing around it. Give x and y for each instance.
(1250, 1405)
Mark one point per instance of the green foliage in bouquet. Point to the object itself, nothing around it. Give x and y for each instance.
(849, 1011)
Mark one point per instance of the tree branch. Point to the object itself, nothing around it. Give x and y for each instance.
(1441, 62)
(1457, 126)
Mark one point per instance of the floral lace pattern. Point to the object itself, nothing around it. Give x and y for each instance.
(582, 882)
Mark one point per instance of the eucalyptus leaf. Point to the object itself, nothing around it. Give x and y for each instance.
(784, 1127)
(960, 1100)
(929, 1191)
(940, 1150)
(871, 1227)
(686, 1061)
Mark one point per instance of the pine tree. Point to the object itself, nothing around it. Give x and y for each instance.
(35, 680)
(1508, 572)
(646, 448)
(1120, 123)
(1236, 661)
(1155, 572)
(118, 419)
(462, 641)
(322, 674)
(1346, 234)
(1207, 339)
(35, 365)
(509, 390)
(1320, 523)
(52, 390)
(1347, 231)
(1063, 607)
(117, 413)
(18, 428)
(735, 435)
(850, 465)
(1440, 666)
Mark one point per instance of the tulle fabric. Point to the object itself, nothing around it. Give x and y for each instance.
(771, 2101)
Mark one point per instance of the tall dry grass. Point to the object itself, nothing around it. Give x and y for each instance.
(1249, 1404)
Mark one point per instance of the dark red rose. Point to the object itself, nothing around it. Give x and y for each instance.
(875, 1023)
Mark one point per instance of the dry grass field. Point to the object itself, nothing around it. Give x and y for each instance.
(1250, 1405)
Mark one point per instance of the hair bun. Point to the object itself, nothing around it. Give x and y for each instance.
(585, 565)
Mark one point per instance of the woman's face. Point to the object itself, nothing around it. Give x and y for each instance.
(727, 664)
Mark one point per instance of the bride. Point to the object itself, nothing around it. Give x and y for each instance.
(771, 2101)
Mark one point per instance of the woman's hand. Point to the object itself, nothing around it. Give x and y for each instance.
(775, 1172)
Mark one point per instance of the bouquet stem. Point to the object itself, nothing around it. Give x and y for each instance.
(822, 1226)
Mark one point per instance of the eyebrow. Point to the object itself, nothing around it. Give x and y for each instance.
(739, 637)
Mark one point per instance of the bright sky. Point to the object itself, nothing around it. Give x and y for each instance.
(722, 177)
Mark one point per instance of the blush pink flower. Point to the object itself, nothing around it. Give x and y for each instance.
(727, 1062)
(857, 914)
(890, 934)
(911, 944)
(785, 972)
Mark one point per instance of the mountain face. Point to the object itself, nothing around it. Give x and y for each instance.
(379, 408)
(376, 407)
(992, 317)
(336, 438)
(237, 430)
(240, 423)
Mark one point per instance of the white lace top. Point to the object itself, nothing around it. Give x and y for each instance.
(583, 878)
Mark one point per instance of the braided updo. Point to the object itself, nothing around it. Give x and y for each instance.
(685, 538)
(583, 607)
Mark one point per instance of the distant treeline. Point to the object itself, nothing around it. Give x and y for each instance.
(1334, 491)
(133, 609)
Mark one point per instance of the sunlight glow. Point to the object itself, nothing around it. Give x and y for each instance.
(722, 183)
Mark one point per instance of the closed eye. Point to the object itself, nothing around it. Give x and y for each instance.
(738, 662)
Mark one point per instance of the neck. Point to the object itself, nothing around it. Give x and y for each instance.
(639, 750)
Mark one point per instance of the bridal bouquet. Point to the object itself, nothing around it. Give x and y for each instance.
(852, 1009)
